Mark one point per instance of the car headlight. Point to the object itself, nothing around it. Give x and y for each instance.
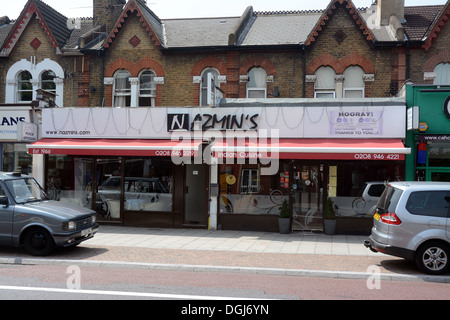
(94, 218)
(71, 225)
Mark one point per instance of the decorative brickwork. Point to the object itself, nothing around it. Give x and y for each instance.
(339, 65)
(134, 68)
(207, 62)
(135, 41)
(438, 27)
(36, 43)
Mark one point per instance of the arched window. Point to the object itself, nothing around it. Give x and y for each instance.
(48, 81)
(122, 89)
(325, 86)
(442, 71)
(354, 82)
(24, 87)
(147, 89)
(204, 86)
(257, 85)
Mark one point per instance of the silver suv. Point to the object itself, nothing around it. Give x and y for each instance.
(29, 218)
(412, 220)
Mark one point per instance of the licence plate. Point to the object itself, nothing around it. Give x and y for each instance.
(376, 216)
(86, 232)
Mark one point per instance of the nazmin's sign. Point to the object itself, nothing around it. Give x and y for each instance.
(208, 121)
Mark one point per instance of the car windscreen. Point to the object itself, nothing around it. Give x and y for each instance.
(25, 190)
(389, 199)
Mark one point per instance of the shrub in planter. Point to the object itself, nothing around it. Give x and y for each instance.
(284, 221)
(329, 218)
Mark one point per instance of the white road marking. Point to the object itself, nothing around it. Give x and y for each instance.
(122, 293)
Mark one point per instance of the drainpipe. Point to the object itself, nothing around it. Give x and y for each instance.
(304, 68)
(102, 86)
(408, 61)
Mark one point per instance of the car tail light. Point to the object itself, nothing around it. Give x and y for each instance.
(390, 218)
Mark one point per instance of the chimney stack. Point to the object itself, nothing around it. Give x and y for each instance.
(106, 13)
(388, 8)
(392, 13)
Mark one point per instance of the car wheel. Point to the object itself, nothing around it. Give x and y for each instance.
(38, 242)
(433, 258)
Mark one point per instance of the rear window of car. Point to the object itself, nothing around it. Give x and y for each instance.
(376, 190)
(389, 199)
(429, 203)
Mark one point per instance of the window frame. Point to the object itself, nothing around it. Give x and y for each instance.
(319, 92)
(250, 89)
(249, 187)
(20, 91)
(152, 89)
(324, 90)
(362, 90)
(441, 69)
(356, 73)
(126, 93)
(42, 81)
(204, 84)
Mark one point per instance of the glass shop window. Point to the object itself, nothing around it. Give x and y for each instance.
(249, 181)
(148, 185)
(69, 180)
(244, 190)
(15, 158)
(439, 154)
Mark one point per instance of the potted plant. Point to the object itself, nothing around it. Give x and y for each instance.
(329, 218)
(284, 221)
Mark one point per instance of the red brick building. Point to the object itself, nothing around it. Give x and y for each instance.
(125, 56)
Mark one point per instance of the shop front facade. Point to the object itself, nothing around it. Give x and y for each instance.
(16, 130)
(229, 167)
(428, 132)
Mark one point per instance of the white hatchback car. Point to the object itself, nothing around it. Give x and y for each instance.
(412, 220)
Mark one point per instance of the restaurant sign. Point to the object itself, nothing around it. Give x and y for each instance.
(212, 121)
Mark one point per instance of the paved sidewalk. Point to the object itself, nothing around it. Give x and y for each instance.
(235, 241)
(300, 254)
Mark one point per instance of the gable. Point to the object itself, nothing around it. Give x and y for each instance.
(133, 36)
(148, 20)
(437, 27)
(329, 13)
(33, 41)
(52, 23)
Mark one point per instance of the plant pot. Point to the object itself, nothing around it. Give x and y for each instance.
(284, 225)
(329, 226)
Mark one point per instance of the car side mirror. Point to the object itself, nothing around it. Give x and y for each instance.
(4, 201)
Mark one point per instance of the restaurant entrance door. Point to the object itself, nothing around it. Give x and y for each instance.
(196, 195)
(308, 195)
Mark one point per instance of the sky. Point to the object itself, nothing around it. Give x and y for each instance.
(170, 9)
